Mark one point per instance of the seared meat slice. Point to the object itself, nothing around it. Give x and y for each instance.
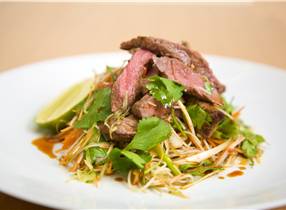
(188, 56)
(217, 116)
(127, 85)
(160, 47)
(148, 106)
(125, 129)
(195, 83)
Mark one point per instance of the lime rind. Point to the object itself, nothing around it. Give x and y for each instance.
(63, 108)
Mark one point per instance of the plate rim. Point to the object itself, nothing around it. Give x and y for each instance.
(24, 197)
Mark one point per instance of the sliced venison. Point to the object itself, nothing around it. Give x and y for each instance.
(193, 82)
(160, 47)
(127, 86)
(188, 56)
(125, 129)
(148, 106)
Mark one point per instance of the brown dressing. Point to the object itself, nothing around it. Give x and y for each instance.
(235, 173)
(221, 177)
(119, 179)
(242, 168)
(44, 145)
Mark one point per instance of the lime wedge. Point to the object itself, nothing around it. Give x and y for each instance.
(63, 108)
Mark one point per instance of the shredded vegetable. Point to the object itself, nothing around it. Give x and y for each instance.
(168, 152)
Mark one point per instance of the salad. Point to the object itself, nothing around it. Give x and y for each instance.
(158, 122)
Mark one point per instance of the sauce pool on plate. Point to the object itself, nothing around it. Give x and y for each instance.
(45, 146)
(242, 168)
(235, 173)
(119, 179)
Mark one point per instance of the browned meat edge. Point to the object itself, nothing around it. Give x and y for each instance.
(194, 83)
(125, 131)
(148, 106)
(188, 56)
(127, 85)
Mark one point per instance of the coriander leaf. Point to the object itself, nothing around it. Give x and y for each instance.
(123, 161)
(164, 90)
(227, 106)
(251, 136)
(150, 132)
(249, 149)
(120, 163)
(145, 156)
(226, 129)
(208, 87)
(198, 115)
(251, 143)
(95, 154)
(98, 110)
(136, 159)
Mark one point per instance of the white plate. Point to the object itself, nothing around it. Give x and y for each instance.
(28, 174)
